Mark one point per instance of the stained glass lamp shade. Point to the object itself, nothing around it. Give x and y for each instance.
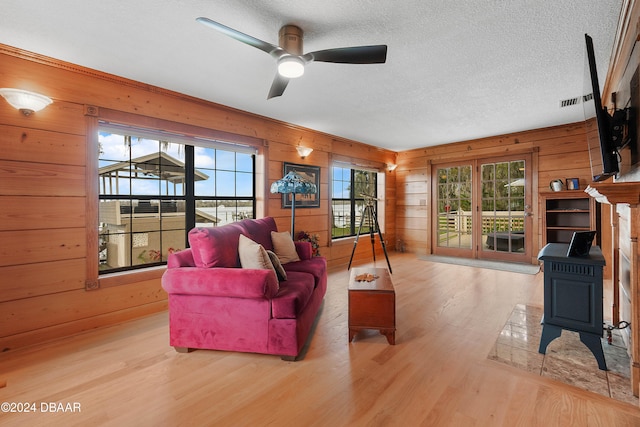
(293, 183)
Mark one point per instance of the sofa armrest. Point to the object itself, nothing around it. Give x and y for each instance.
(220, 282)
(304, 249)
(183, 258)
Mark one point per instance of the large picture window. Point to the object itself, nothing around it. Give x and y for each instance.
(153, 188)
(352, 189)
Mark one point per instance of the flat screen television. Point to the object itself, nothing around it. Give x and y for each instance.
(603, 152)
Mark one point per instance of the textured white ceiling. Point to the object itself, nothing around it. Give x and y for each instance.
(456, 70)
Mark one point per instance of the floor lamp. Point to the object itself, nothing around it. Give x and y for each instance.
(295, 184)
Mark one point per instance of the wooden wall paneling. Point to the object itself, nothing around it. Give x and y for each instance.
(54, 331)
(36, 246)
(41, 146)
(634, 279)
(409, 164)
(341, 249)
(627, 34)
(362, 154)
(59, 117)
(181, 128)
(27, 281)
(416, 240)
(32, 213)
(41, 179)
(490, 146)
(568, 162)
(30, 314)
(412, 192)
(573, 144)
(415, 187)
(615, 265)
(417, 199)
(626, 198)
(388, 223)
(91, 208)
(606, 239)
(475, 153)
(413, 211)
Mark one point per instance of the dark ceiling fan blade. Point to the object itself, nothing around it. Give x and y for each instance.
(376, 54)
(271, 49)
(278, 86)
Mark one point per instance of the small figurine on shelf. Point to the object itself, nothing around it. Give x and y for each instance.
(303, 236)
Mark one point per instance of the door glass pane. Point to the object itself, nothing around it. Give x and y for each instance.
(454, 207)
(503, 206)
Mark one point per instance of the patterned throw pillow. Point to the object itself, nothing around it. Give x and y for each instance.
(282, 274)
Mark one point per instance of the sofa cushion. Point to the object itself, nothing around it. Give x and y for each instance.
(253, 255)
(284, 247)
(215, 246)
(280, 271)
(293, 296)
(259, 230)
(317, 266)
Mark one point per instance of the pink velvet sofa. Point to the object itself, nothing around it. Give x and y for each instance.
(215, 304)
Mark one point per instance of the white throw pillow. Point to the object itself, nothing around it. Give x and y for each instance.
(284, 247)
(253, 255)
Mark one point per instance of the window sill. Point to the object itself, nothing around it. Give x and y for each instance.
(128, 277)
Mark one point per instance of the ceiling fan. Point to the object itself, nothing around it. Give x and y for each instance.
(291, 60)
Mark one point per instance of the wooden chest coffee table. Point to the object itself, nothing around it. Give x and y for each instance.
(372, 305)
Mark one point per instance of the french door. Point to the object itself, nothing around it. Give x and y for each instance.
(482, 209)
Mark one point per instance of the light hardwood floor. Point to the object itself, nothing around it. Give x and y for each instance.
(438, 374)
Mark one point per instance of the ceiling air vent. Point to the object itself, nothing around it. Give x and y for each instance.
(575, 101)
(569, 102)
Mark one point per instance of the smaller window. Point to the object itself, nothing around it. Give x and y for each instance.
(353, 201)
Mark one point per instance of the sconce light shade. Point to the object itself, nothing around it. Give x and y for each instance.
(391, 167)
(25, 101)
(304, 151)
(290, 66)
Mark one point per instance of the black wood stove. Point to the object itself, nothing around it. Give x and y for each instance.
(573, 297)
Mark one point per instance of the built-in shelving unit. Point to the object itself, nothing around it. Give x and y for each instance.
(566, 212)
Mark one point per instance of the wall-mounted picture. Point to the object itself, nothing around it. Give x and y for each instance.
(573, 184)
(312, 173)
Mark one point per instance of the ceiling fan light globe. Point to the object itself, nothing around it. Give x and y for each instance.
(291, 67)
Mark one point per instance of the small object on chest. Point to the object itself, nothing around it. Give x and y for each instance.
(366, 277)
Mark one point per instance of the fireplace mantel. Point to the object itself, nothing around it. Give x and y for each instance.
(615, 192)
(624, 198)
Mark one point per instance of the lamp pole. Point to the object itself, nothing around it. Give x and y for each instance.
(293, 213)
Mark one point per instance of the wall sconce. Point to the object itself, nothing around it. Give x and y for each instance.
(25, 101)
(304, 151)
(391, 167)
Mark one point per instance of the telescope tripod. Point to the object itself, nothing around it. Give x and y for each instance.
(369, 212)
